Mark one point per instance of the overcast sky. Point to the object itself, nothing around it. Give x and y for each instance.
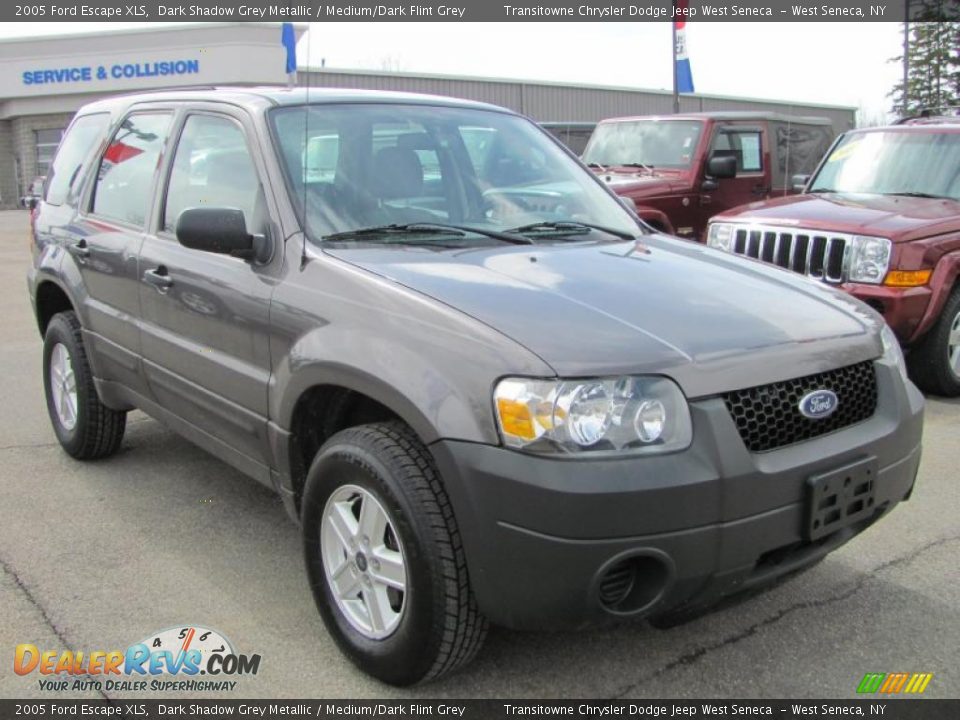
(835, 63)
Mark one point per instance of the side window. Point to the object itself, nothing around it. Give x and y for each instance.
(744, 145)
(83, 135)
(211, 167)
(750, 153)
(126, 169)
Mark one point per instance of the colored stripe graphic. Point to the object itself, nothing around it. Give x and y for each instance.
(871, 682)
(893, 683)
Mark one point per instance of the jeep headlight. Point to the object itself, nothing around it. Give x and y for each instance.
(891, 351)
(869, 259)
(612, 415)
(720, 236)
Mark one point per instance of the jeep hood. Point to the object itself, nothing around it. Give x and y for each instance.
(901, 219)
(711, 320)
(640, 185)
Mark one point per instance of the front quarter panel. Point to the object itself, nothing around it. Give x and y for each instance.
(335, 324)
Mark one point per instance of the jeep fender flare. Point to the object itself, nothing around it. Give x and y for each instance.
(656, 218)
(942, 281)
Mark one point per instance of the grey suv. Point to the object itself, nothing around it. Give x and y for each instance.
(485, 390)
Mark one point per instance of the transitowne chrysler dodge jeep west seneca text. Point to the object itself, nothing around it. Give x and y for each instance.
(485, 390)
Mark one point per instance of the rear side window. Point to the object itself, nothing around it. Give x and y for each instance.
(75, 148)
(125, 176)
(212, 167)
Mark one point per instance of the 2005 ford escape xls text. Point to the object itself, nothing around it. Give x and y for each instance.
(484, 389)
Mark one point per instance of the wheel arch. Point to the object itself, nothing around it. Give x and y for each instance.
(943, 282)
(51, 298)
(321, 400)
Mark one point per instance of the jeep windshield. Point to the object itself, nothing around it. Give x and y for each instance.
(901, 162)
(644, 144)
(409, 174)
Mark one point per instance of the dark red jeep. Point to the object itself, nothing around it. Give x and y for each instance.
(680, 170)
(880, 218)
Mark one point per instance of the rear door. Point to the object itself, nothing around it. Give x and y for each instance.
(205, 330)
(105, 241)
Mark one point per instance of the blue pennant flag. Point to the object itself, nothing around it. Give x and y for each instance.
(684, 74)
(289, 39)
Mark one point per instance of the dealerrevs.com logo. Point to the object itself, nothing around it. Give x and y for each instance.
(170, 660)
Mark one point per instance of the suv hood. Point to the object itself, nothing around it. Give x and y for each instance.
(669, 306)
(899, 218)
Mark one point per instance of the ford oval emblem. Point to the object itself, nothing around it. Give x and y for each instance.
(819, 404)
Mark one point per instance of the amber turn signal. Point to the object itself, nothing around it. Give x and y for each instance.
(907, 278)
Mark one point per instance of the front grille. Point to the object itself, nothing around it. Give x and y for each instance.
(768, 416)
(808, 252)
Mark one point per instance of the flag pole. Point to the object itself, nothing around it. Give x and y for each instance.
(676, 91)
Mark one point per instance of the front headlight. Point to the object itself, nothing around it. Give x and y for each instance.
(720, 236)
(869, 259)
(613, 415)
(892, 352)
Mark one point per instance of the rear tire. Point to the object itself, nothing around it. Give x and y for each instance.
(86, 428)
(431, 622)
(935, 361)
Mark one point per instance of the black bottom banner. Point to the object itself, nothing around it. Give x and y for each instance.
(880, 709)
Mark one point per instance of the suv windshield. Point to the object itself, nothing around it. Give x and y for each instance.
(893, 162)
(406, 168)
(650, 143)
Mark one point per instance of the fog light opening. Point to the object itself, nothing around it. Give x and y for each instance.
(633, 584)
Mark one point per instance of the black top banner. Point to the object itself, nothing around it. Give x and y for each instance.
(879, 709)
(487, 11)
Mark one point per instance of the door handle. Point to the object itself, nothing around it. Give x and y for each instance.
(79, 250)
(159, 278)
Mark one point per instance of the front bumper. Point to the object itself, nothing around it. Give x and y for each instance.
(541, 534)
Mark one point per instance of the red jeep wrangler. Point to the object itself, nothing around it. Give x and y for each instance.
(880, 218)
(680, 170)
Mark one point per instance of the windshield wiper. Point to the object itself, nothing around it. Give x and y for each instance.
(910, 193)
(638, 165)
(426, 228)
(601, 168)
(822, 190)
(570, 227)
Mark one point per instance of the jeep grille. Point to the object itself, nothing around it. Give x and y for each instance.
(808, 252)
(768, 416)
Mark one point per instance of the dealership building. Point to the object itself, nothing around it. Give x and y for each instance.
(43, 81)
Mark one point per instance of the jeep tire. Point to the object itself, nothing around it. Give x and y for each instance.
(935, 362)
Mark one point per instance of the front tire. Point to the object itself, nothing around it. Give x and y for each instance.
(85, 427)
(935, 362)
(384, 557)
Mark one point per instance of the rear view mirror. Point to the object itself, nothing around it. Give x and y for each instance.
(799, 182)
(220, 230)
(722, 167)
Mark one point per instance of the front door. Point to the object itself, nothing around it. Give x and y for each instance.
(747, 144)
(205, 332)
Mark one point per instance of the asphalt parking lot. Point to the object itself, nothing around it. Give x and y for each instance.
(97, 556)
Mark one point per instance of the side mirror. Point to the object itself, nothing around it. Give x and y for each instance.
(722, 167)
(628, 203)
(799, 182)
(221, 230)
